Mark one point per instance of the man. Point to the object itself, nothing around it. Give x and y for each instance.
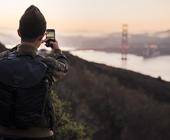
(25, 82)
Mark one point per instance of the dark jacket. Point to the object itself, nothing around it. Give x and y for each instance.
(31, 77)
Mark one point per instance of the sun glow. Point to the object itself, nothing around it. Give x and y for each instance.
(102, 16)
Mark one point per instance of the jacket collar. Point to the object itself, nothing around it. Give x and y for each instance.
(25, 49)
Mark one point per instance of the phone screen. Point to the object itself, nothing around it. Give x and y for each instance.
(50, 34)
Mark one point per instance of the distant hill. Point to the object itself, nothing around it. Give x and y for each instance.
(2, 47)
(117, 104)
(112, 42)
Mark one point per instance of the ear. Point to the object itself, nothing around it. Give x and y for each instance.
(19, 33)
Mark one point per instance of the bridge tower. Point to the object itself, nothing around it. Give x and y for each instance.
(124, 44)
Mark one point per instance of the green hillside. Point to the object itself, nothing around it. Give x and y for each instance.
(116, 104)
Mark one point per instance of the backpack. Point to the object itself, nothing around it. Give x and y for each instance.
(24, 92)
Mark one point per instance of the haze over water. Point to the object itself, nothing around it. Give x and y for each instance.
(155, 67)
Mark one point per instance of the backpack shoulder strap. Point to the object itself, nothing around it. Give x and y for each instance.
(22, 72)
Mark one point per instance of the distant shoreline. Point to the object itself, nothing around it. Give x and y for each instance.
(117, 50)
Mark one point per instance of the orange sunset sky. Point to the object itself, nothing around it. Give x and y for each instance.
(92, 16)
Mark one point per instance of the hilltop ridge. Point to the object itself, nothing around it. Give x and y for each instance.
(117, 104)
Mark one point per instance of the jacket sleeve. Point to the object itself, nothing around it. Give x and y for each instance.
(57, 65)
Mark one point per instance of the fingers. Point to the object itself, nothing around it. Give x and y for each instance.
(54, 45)
(44, 40)
(50, 43)
(54, 42)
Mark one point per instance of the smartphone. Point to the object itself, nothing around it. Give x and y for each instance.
(50, 36)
